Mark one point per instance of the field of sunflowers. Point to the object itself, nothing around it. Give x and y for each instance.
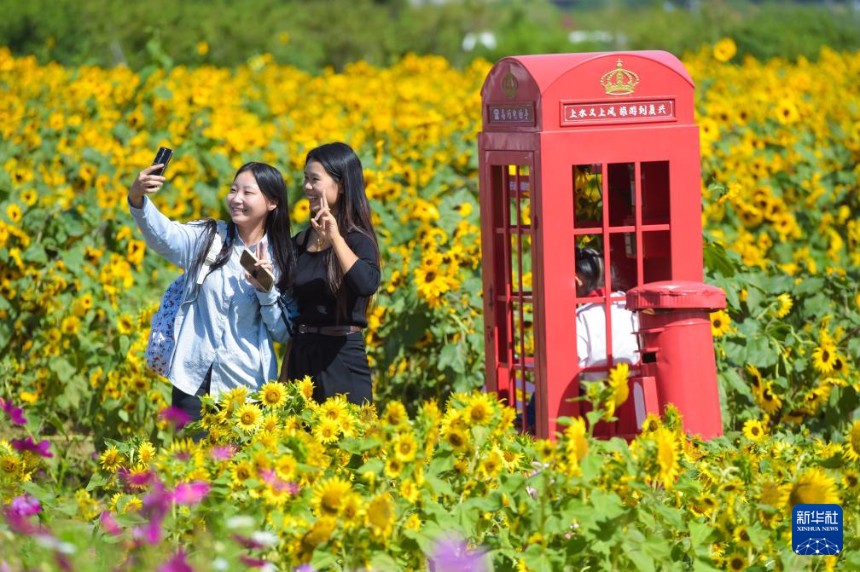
(96, 474)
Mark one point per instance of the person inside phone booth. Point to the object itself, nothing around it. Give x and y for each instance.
(591, 346)
(227, 319)
(591, 338)
(337, 274)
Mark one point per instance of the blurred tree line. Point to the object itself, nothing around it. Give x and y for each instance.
(314, 34)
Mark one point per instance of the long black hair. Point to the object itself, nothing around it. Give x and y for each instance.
(590, 270)
(353, 211)
(272, 185)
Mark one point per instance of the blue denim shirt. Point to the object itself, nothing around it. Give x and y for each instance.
(225, 324)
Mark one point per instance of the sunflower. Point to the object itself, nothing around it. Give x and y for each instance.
(741, 535)
(784, 305)
(852, 442)
(319, 533)
(326, 431)
(351, 510)
(725, 49)
(736, 562)
(457, 438)
(576, 443)
(479, 409)
(850, 480)
(273, 395)
(14, 213)
(276, 495)
(768, 400)
(512, 460)
(301, 211)
(620, 388)
(393, 467)
(29, 197)
(786, 111)
(111, 459)
(380, 515)
(248, 417)
(667, 456)
(306, 388)
(10, 465)
(146, 453)
(285, 467)
(405, 447)
(491, 464)
(410, 491)
(840, 367)
(813, 486)
(754, 430)
(721, 324)
(328, 495)
(334, 409)
(823, 358)
(395, 414)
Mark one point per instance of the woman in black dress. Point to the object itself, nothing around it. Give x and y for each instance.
(337, 272)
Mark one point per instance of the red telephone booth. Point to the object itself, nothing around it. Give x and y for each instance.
(594, 150)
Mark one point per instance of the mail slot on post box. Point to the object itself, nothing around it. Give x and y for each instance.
(587, 161)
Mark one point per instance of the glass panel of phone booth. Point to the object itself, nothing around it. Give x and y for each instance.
(588, 196)
(654, 182)
(513, 309)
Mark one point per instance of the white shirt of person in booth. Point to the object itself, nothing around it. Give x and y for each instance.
(591, 343)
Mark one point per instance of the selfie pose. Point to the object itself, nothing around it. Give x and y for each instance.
(227, 318)
(337, 273)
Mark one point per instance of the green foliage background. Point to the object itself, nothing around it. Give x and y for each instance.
(315, 34)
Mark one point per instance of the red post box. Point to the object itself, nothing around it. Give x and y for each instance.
(594, 150)
(677, 348)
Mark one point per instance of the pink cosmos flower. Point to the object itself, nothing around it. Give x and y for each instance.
(155, 507)
(175, 416)
(176, 564)
(452, 554)
(18, 513)
(16, 414)
(190, 493)
(28, 444)
(109, 523)
(222, 453)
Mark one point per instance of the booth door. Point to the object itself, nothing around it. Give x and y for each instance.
(508, 295)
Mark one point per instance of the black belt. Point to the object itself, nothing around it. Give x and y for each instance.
(329, 330)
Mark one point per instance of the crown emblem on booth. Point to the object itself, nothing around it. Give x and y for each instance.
(619, 81)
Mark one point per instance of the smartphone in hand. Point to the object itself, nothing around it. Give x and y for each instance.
(163, 157)
(260, 274)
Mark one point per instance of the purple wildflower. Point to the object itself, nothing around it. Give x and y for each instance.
(190, 493)
(16, 414)
(155, 507)
(110, 524)
(18, 513)
(28, 444)
(175, 416)
(452, 554)
(176, 564)
(222, 453)
(253, 562)
(25, 505)
(135, 480)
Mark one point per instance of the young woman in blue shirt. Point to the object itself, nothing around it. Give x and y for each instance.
(226, 325)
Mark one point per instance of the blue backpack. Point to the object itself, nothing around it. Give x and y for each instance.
(159, 349)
